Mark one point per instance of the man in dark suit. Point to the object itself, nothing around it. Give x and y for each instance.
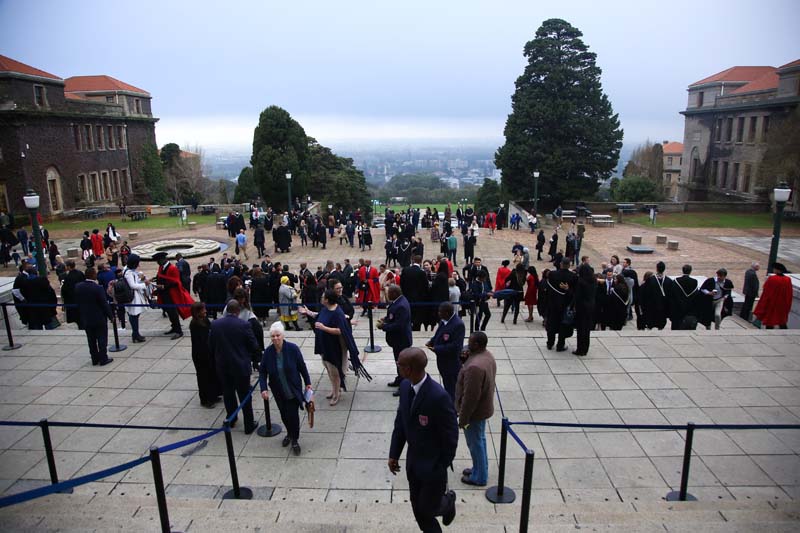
(560, 292)
(447, 343)
(185, 270)
(426, 420)
(414, 284)
(94, 314)
(750, 290)
(683, 301)
(232, 346)
(397, 326)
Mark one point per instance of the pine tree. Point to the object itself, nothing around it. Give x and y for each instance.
(561, 124)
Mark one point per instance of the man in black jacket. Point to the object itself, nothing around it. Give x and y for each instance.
(94, 313)
(750, 290)
(683, 301)
(414, 284)
(560, 291)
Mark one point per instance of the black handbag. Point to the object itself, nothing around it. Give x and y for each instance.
(568, 319)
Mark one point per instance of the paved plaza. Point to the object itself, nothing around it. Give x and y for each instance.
(788, 250)
(737, 375)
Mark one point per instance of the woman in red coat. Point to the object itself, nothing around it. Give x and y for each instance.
(531, 291)
(776, 299)
(500, 280)
(97, 243)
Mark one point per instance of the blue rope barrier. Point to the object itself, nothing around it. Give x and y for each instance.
(499, 401)
(246, 398)
(104, 426)
(70, 483)
(186, 442)
(516, 438)
(15, 423)
(658, 426)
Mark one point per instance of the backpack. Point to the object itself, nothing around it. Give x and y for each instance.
(123, 294)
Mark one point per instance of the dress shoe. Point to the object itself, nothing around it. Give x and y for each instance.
(549, 346)
(466, 472)
(396, 383)
(467, 481)
(396, 393)
(176, 336)
(139, 339)
(170, 332)
(295, 448)
(561, 348)
(251, 429)
(576, 352)
(450, 514)
(286, 440)
(234, 421)
(107, 361)
(208, 405)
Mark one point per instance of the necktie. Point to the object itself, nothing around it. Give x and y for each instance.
(609, 288)
(412, 395)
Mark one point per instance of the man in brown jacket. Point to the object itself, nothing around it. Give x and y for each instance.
(475, 404)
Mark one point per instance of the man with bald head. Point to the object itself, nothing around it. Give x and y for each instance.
(426, 421)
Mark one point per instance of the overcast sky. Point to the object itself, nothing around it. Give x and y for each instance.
(350, 70)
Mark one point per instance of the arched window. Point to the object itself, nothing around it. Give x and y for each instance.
(54, 189)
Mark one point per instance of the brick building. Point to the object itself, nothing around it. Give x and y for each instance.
(673, 158)
(727, 119)
(77, 141)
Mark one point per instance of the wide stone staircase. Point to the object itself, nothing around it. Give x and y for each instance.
(78, 512)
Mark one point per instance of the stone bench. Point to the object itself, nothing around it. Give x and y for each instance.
(661, 239)
(220, 225)
(636, 239)
(192, 225)
(73, 252)
(598, 222)
(133, 235)
(672, 245)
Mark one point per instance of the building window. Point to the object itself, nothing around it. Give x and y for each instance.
(120, 138)
(680, 161)
(748, 169)
(700, 96)
(110, 137)
(718, 130)
(54, 188)
(735, 177)
(105, 189)
(39, 97)
(94, 187)
(83, 190)
(76, 133)
(115, 185)
(740, 130)
(126, 184)
(3, 197)
(669, 161)
(137, 105)
(723, 178)
(751, 134)
(764, 128)
(87, 137)
(110, 99)
(715, 171)
(101, 137)
(728, 129)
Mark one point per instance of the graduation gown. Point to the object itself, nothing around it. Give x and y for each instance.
(776, 301)
(654, 301)
(170, 277)
(682, 300)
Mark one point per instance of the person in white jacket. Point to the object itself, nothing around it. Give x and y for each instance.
(139, 285)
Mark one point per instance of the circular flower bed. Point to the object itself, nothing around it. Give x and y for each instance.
(187, 247)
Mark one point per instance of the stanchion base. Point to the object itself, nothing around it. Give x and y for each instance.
(269, 431)
(508, 495)
(114, 348)
(11, 347)
(675, 496)
(372, 349)
(244, 494)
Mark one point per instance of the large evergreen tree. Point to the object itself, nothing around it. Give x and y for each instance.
(153, 175)
(280, 145)
(336, 180)
(561, 124)
(246, 187)
(488, 198)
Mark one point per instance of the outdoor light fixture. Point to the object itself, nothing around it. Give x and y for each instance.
(31, 199)
(32, 203)
(781, 193)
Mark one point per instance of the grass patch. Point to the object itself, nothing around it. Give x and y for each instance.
(152, 222)
(710, 220)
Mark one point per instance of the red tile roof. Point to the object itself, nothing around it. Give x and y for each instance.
(790, 65)
(9, 65)
(99, 83)
(736, 74)
(762, 83)
(73, 96)
(673, 148)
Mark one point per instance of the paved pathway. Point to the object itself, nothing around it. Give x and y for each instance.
(788, 249)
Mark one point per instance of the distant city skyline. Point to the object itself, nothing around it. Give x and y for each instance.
(366, 72)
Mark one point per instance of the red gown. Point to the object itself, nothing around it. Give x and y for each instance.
(373, 294)
(776, 301)
(97, 244)
(531, 292)
(500, 280)
(491, 221)
(172, 279)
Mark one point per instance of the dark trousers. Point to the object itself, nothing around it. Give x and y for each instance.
(174, 319)
(134, 320)
(207, 385)
(583, 327)
(290, 415)
(98, 342)
(428, 499)
(449, 384)
(513, 303)
(554, 328)
(483, 314)
(233, 386)
(396, 353)
(747, 307)
(25, 249)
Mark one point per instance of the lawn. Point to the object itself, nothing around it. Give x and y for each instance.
(152, 222)
(710, 220)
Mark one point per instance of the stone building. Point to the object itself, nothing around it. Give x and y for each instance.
(78, 141)
(727, 119)
(673, 158)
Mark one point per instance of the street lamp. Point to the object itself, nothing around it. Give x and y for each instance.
(781, 193)
(536, 192)
(289, 191)
(32, 203)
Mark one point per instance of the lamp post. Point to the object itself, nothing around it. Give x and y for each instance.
(32, 203)
(781, 193)
(536, 192)
(289, 191)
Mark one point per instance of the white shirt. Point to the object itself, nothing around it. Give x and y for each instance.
(419, 385)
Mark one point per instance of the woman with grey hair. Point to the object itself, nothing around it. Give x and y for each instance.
(282, 368)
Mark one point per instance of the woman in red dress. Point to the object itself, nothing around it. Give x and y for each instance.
(531, 291)
(776, 299)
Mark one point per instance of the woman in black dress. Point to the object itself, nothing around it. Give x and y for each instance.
(553, 246)
(207, 384)
(585, 292)
(540, 240)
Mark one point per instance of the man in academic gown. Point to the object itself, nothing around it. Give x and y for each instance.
(776, 300)
(414, 284)
(683, 300)
(654, 298)
(170, 292)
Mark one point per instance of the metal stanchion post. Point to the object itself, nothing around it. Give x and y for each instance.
(501, 493)
(682, 495)
(371, 348)
(268, 428)
(161, 496)
(117, 346)
(237, 492)
(11, 345)
(527, 488)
